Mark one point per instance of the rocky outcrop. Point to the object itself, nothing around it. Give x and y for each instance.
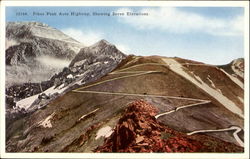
(101, 51)
(139, 131)
(235, 68)
(90, 64)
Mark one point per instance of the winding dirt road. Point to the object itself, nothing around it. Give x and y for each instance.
(139, 73)
(182, 107)
(235, 134)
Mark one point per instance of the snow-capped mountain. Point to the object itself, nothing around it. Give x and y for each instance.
(35, 51)
(89, 64)
(17, 32)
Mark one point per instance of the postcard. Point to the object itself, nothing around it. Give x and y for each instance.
(123, 79)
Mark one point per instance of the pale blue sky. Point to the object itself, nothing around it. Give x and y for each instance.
(212, 35)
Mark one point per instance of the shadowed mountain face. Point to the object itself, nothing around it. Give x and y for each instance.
(102, 51)
(235, 68)
(29, 47)
(28, 97)
(194, 102)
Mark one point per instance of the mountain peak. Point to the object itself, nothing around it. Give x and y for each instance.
(23, 31)
(238, 60)
(102, 43)
(101, 50)
(29, 23)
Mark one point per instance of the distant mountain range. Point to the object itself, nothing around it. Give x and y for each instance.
(106, 101)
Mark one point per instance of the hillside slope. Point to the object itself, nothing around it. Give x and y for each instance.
(138, 131)
(191, 98)
(26, 98)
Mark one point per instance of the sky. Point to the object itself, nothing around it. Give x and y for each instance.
(213, 35)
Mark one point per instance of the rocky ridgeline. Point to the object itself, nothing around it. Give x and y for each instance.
(29, 45)
(235, 68)
(27, 42)
(27, 75)
(21, 91)
(33, 39)
(139, 131)
(90, 64)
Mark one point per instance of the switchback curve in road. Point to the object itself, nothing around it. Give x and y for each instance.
(139, 73)
(235, 134)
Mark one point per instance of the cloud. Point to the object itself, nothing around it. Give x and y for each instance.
(90, 37)
(177, 21)
(10, 42)
(53, 62)
(123, 48)
(86, 37)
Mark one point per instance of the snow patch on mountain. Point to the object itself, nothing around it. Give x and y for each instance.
(46, 123)
(242, 100)
(85, 69)
(221, 98)
(227, 103)
(89, 113)
(234, 79)
(238, 67)
(79, 63)
(212, 83)
(105, 132)
(26, 103)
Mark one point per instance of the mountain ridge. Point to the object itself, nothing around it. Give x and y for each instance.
(31, 29)
(28, 44)
(101, 103)
(163, 104)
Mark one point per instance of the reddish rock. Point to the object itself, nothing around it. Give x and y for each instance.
(139, 131)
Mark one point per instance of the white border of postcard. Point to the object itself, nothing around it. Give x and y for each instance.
(244, 4)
